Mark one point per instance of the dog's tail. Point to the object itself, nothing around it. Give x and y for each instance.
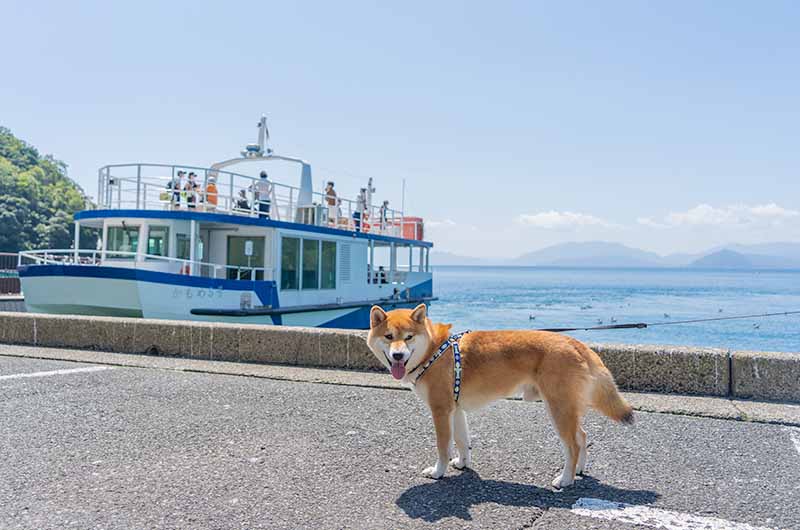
(605, 396)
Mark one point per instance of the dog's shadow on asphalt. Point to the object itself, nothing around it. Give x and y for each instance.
(454, 496)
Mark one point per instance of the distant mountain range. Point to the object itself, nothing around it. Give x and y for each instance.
(604, 254)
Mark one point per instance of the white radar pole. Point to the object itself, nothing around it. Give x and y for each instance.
(403, 199)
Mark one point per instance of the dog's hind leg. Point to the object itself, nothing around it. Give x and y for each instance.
(566, 420)
(461, 435)
(582, 455)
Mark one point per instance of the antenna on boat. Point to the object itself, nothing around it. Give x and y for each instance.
(403, 203)
(261, 152)
(261, 148)
(370, 191)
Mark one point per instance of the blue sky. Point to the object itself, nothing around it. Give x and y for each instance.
(670, 126)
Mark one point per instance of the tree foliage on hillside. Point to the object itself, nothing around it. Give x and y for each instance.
(37, 199)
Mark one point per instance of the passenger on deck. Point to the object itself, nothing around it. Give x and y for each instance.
(212, 195)
(191, 190)
(262, 191)
(176, 184)
(333, 202)
(383, 214)
(361, 207)
(382, 274)
(241, 201)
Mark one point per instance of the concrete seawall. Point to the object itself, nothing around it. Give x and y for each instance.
(684, 370)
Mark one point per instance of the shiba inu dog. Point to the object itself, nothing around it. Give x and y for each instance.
(562, 371)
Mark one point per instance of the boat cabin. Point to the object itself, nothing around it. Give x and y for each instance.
(232, 246)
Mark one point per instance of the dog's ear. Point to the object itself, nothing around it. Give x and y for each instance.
(376, 316)
(419, 314)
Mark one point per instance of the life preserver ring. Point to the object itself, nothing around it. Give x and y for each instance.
(185, 269)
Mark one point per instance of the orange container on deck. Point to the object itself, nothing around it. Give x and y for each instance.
(413, 228)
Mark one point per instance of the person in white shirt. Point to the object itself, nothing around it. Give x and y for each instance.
(333, 204)
(191, 190)
(262, 191)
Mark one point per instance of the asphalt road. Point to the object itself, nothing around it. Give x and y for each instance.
(146, 448)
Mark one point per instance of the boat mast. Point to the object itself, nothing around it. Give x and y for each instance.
(263, 136)
(260, 152)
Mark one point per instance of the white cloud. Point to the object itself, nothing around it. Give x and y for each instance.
(555, 220)
(734, 215)
(773, 211)
(447, 226)
(444, 222)
(648, 221)
(702, 214)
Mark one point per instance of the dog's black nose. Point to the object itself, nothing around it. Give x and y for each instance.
(397, 356)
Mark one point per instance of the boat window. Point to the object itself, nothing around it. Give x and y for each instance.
(158, 241)
(245, 258)
(124, 239)
(290, 263)
(182, 246)
(310, 264)
(328, 265)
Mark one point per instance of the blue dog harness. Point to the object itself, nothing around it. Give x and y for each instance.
(451, 341)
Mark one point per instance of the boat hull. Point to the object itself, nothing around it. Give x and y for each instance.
(123, 292)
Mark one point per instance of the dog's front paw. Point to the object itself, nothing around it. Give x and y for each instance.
(459, 463)
(433, 472)
(562, 481)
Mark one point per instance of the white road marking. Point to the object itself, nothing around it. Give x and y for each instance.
(794, 435)
(653, 517)
(57, 372)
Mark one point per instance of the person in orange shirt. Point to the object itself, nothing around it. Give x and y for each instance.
(211, 194)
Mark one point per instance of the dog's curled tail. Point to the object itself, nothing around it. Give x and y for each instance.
(606, 399)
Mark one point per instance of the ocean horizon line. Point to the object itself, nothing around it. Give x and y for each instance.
(617, 268)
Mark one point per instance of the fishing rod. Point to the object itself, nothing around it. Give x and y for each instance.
(643, 325)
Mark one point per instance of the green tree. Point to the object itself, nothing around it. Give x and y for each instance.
(37, 199)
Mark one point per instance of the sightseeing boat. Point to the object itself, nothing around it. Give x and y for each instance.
(225, 246)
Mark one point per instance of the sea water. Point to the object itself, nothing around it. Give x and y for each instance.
(545, 297)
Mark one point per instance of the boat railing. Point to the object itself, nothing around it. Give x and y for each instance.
(157, 187)
(142, 261)
(387, 277)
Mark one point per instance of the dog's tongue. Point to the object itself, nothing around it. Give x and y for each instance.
(398, 370)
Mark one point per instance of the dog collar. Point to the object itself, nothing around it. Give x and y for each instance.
(451, 341)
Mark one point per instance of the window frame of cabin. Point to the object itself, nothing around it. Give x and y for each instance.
(322, 283)
(311, 245)
(164, 239)
(114, 253)
(331, 267)
(297, 263)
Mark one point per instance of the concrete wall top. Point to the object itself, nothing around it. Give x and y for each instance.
(685, 370)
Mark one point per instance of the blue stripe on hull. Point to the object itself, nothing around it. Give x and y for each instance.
(266, 291)
(358, 319)
(421, 290)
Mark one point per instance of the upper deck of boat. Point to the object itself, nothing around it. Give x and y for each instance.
(157, 190)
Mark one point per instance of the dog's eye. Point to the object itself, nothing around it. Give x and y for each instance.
(410, 337)
(389, 336)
